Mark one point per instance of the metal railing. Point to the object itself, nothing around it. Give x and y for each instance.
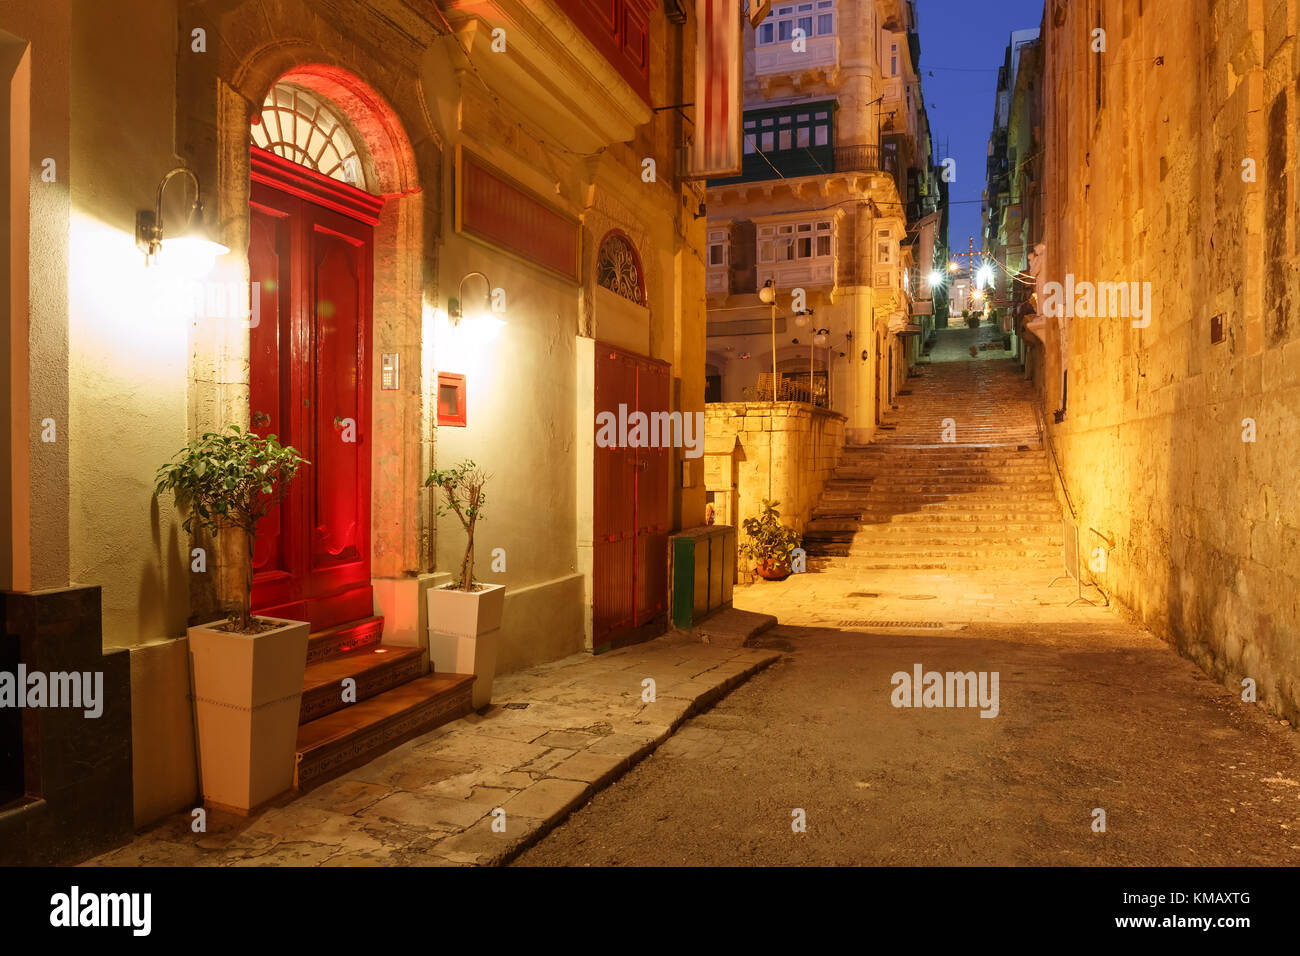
(863, 159)
(1040, 419)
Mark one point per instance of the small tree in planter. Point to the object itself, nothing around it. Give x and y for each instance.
(770, 543)
(231, 479)
(248, 672)
(465, 616)
(463, 495)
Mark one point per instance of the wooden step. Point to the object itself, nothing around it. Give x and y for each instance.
(343, 638)
(338, 742)
(375, 668)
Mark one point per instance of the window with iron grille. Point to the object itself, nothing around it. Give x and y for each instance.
(618, 269)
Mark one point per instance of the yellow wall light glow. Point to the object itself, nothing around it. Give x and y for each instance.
(467, 346)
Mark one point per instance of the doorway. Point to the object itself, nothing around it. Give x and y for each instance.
(310, 258)
(632, 506)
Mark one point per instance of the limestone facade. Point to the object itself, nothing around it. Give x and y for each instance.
(115, 95)
(783, 452)
(1171, 159)
(837, 172)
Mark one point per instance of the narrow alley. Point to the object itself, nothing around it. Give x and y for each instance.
(512, 437)
(942, 556)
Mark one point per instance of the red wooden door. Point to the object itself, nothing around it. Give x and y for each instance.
(614, 490)
(632, 501)
(653, 506)
(310, 386)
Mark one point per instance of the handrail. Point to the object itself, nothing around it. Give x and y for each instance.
(1040, 419)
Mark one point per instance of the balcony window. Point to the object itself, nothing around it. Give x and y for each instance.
(717, 248)
(795, 140)
(825, 17)
(814, 19)
(793, 242)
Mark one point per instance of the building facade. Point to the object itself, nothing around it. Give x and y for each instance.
(836, 210)
(1009, 182)
(1169, 175)
(464, 229)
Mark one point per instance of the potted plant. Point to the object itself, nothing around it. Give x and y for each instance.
(465, 616)
(247, 671)
(770, 543)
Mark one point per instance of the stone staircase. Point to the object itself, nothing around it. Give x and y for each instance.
(396, 698)
(910, 500)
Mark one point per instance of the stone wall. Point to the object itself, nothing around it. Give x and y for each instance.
(784, 452)
(1171, 159)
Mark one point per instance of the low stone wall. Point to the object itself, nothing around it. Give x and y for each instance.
(757, 450)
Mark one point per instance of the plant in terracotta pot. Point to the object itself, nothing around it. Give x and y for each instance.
(247, 670)
(770, 543)
(465, 616)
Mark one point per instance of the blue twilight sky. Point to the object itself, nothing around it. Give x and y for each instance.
(962, 44)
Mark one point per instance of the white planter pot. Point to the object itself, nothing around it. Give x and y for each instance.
(463, 630)
(247, 693)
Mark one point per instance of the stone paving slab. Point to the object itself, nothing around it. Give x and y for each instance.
(480, 790)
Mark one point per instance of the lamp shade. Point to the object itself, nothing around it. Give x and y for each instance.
(194, 251)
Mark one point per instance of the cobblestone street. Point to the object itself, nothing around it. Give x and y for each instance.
(1094, 714)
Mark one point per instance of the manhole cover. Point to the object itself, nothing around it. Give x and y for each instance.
(917, 597)
(920, 624)
(866, 594)
(516, 706)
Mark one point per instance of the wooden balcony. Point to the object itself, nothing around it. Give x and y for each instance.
(806, 274)
(777, 66)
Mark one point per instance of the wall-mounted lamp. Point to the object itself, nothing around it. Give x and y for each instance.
(701, 212)
(767, 294)
(194, 249)
(821, 338)
(801, 318)
(454, 310)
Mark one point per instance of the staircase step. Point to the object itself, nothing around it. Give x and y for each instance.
(945, 524)
(937, 564)
(375, 668)
(922, 542)
(343, 638)
(909, 501)
(991, 509)
(906, 501)
(337, 742)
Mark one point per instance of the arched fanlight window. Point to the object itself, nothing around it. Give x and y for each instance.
(618, 269)
(299, 126)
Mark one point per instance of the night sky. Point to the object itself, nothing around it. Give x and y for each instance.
(962, 44)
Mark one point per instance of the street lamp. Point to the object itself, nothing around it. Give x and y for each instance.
(767, 295)
(194, 249)
(935, 279)
(455, 309)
